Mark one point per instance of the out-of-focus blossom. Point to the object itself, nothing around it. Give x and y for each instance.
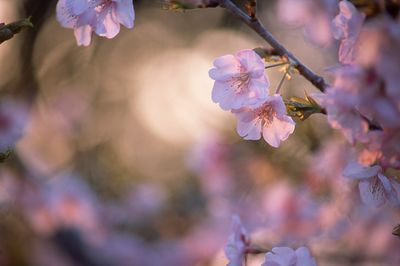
(239, 80)
(100, 16)
(239, 241)
(346, 27)
(13, 118)
(270, 119)
(341, 101)
(63, 202)
(379, 43)
(313, 15)
(285, 256)
(375, 188)
(8, 187)
(389, 149)
(290, 213)
(209, 159)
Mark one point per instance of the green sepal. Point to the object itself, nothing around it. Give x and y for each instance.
(5, 155)
(302, 108)
(7, 31)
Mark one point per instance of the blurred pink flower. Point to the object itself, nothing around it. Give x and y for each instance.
(239, 80)
(379, 44)
(314, 16)
(346, 27)
(341, 101)
(270, 119)
(375, 188)
(64, 201)
(285, 256)
(101, 16)
(239, 241)
(13, 118)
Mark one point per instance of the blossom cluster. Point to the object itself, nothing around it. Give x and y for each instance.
(242, 87)
(364, 100)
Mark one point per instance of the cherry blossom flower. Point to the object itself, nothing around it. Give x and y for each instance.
(346, 27)
(375, 188)
(285, 256)
(100, 16)
(270, 119)
(239, 241)
(239, 80)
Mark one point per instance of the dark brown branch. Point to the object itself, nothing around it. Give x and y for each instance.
(257, 26)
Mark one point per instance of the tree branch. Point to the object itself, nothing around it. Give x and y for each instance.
(259, 28)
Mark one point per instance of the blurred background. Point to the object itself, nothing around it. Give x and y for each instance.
(125, 160)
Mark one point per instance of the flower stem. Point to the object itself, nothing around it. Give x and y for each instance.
(276, 65)
(278, 89)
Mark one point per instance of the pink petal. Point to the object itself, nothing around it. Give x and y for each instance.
(229, 101)
(304, 257)
(77, 7)
(355, 170)
(278, 104)
(260, 88)
(347, 51)
(390, 191)
(220, 90)
(87, 18)
(280, 256)
(109, 26)
(64, 14)
(83, 35)
(370, 195)
(250, 130)
(125, 13)
(278, 130)
(226, 67)
(252, 62)
(245, 114)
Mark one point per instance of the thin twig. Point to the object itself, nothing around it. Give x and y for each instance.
(258, 27)
(278, 89)
(276, 65)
